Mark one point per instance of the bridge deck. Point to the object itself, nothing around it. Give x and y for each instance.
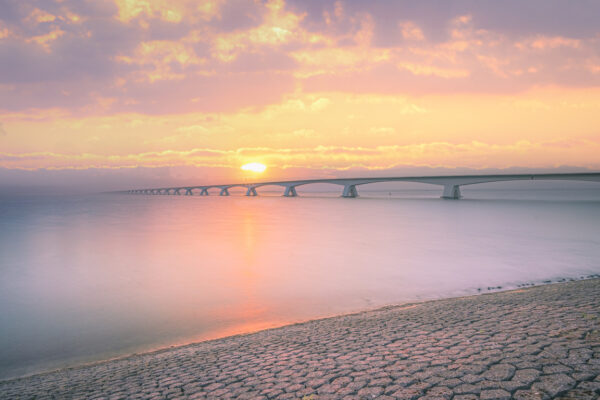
(451, 183)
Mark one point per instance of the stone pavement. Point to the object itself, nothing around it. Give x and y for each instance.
(536, 343)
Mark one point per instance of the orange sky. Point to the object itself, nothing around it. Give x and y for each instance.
(302, 86)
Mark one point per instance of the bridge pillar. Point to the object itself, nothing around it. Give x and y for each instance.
(224, 192)
(350, 191)
(204, 192)
(176, 191)
(290, 191)
(188, 192)
(251, 191)
(451, 191)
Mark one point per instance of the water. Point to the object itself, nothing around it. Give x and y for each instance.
(84, 278)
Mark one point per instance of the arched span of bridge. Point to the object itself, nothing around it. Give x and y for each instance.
(289, 187)
(451, 184)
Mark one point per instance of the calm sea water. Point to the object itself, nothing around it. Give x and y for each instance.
(84, 278)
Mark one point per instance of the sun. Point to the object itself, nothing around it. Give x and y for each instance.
(254, 167)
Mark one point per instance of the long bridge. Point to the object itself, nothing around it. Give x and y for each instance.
(451, 184)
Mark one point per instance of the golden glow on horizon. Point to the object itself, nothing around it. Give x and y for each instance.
(254, 167)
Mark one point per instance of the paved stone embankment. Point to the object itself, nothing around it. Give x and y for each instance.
(536, 343)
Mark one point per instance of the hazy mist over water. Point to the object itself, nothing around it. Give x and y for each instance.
(85, 278)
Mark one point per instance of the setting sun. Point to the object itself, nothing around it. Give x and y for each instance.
(254, 167)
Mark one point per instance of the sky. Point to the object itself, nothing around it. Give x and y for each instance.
(130, 93)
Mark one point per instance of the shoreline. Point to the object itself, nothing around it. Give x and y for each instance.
(581, 292)
(158, 350)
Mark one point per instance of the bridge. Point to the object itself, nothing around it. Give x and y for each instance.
(451, 184)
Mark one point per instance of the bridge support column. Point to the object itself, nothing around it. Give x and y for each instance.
(176, 191)
(224, 192)
(350, 191)
(188, 192)
(451, 192)
(204, 192)
(290, 191)
(251, 192)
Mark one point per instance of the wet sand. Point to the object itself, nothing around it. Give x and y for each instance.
(531, 343)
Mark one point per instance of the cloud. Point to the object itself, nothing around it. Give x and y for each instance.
(278, 28)
(410, 31)
(473, 154)
(169, 11)
(320, 104)
(160, 56)
(162, 60)
(427, 70)
(545, 42)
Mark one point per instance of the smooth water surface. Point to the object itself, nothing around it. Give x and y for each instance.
(92, 277)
